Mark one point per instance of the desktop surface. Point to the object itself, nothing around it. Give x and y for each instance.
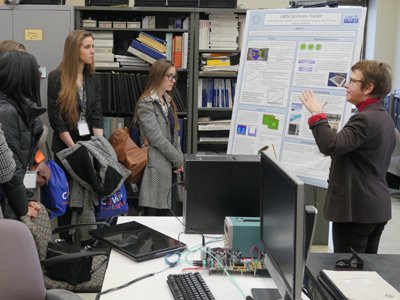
(121, 269)
(384, 264)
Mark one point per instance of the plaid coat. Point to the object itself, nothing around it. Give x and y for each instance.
(163, 155)
(7, 162)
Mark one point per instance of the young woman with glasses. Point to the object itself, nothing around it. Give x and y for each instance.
(156, 115)
(358, 202)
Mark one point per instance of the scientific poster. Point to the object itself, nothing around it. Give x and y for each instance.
(285, 52)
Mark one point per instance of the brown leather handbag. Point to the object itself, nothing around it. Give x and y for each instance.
(129, 154)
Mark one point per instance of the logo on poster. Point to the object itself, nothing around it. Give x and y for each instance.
(351, 19)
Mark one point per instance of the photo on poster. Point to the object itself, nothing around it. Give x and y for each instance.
(252, 130)
(270, 121)
(337, 79)
(295, 117)
(241, 129)
(257, 54)
(293, 129)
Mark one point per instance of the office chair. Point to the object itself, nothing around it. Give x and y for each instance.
(20, 271)
(41, 230)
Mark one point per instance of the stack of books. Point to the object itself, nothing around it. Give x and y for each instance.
(211, 125)
(219, 61)
(224, 31)
(204, 34)
(152, 41)
(103, 43)
(130, 61)
(148, 47)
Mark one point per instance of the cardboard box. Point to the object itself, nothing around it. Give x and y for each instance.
(133, 24)
(105, 24)
(89, 23)
(119, 24)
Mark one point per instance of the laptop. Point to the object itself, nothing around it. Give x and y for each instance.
(137, 241)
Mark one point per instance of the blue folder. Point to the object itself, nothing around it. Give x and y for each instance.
(147, 50)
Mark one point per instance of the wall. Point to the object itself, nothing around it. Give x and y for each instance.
(396, 65)
(383, 38)
(262, 3)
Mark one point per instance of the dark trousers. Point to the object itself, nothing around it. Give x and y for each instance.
(363, 238)
(393, 181)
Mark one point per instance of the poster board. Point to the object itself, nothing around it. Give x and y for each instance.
(284, 52)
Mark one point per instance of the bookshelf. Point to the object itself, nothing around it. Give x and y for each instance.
(190, 77)
(122, 84)
(214, 87)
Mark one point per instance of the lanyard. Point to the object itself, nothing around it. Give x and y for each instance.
(82, 100)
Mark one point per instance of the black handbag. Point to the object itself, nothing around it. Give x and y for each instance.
(74, 270)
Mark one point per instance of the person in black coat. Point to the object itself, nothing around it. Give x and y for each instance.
(74, 94)
(74, 97)
(22, 127)
(358, 201)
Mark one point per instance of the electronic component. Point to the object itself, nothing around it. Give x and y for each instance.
(218, 259)
(242, 233)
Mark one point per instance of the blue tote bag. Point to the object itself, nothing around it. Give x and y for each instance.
(56, 192)
(111, 206)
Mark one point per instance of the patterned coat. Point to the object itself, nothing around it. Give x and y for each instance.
(163, 156)
(7, 162)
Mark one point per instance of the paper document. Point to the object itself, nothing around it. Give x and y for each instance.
(360, 285)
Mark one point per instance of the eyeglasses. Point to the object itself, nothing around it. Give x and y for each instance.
(355, 80)
(172, 77)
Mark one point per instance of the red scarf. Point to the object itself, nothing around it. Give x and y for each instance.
(362, 105)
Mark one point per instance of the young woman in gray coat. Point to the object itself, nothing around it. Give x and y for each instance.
(158, 122)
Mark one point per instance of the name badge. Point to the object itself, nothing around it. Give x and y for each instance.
(83, 128)
(30, 179)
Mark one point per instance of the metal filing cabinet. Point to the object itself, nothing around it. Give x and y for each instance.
(42, 29)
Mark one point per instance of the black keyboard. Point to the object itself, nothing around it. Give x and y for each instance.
(189, 286)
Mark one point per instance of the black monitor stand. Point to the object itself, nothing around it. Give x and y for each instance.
(266, 294)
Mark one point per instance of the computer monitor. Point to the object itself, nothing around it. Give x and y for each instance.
(217, 186)
(282, 222)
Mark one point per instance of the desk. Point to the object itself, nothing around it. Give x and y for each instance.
(121, 269)
(384, 264)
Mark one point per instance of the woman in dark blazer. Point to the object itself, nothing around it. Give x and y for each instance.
(358, 201)
(74, 94)
(74, 97)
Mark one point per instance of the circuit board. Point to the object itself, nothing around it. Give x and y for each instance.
(232, 261)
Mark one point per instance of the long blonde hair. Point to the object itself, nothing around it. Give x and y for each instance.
(67, 97)
(156, 74)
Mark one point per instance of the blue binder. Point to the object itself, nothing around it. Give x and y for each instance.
(147, 50)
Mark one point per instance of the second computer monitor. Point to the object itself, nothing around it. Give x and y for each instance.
(217, 186)
(282, 229)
